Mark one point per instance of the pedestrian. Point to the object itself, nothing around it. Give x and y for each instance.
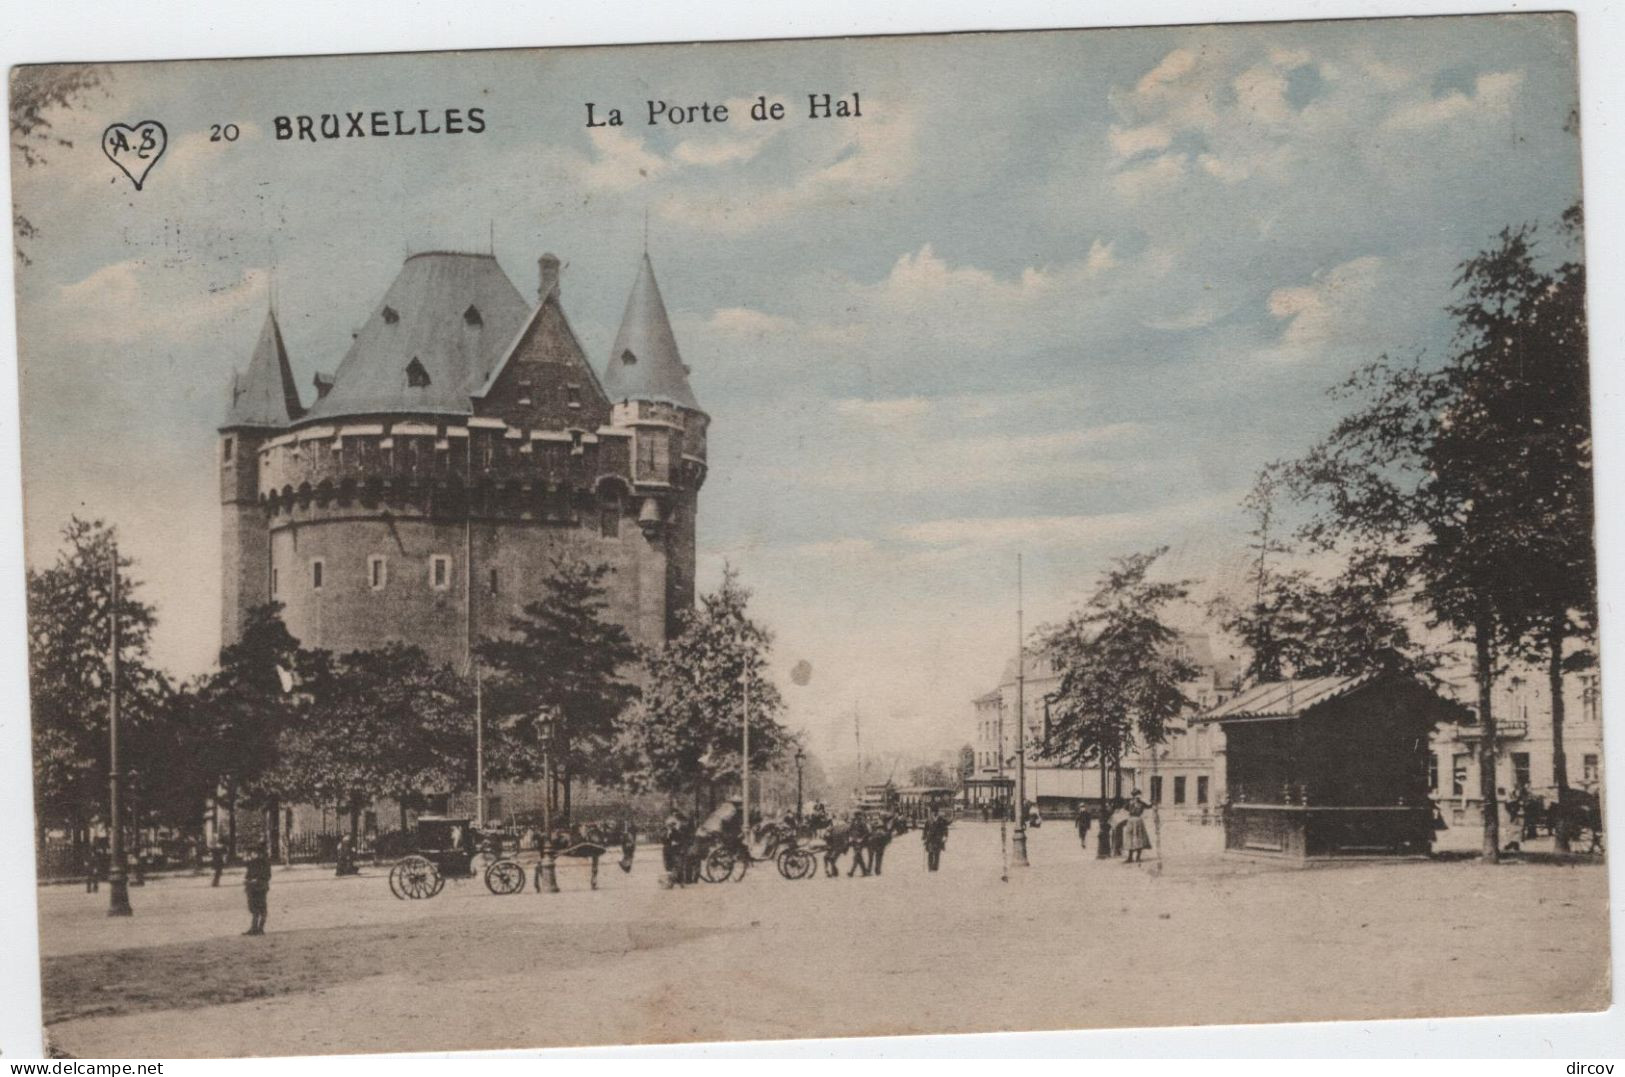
(257, 885)
(217, 860)
(935, 836)
(858, 830)
(93, 879)
(1083, 821)
(672, 841)
(879, 838)
(629, 844)
(1117, 820)
(345, 858)
(1136, 839)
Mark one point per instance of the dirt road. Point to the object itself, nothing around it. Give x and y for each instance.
(1069, 943)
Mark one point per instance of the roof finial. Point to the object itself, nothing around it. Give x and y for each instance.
(491, 247)
(646, 230)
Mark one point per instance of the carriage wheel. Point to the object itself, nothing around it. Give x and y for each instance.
(718, 865)
(796, 864)
(415, 878)
(505, 877)
(439, 879)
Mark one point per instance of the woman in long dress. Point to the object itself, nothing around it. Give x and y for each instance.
(1136, 839)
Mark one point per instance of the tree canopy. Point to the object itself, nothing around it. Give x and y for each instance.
(688, 734)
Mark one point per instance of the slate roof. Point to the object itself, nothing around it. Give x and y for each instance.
(455, 313)
(644, 364)
(1286, 699)
(265, 395)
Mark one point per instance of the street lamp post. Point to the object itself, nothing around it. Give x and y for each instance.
(118, 884)
(744, 772)
(801, 758)
(1019, 844)
(549, 865)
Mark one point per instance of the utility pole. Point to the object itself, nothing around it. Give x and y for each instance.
(547, 870)
(1021, 727)
(1003, 802)
(118, 886)
(479, 752)
(744, 771)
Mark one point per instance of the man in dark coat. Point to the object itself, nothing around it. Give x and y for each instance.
(858, 836)
(935, 836)
(257, 885)
(1083, 822)
(673, 843)
(880, 837)
(217, 860)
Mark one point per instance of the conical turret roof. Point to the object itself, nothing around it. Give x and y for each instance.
(434, 339)
(644, 363)
(266, 394)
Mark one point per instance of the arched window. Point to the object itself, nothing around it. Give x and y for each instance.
(417, 376)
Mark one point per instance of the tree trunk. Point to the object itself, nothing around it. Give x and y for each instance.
(566, 781)
(231, 819)
(355, 822)
(1556, 633)
(401, 804)
(273, 829)
(1485, 673)
(1103, 840)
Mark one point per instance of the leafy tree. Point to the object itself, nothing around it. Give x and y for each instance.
(688, 733)
(1470, 482)
(1299, 625)
(69, 636)
(35, 92)
(1121, 677)
(245, 707)
(380, 723)
(565, 658)
(1271, 624)
(932, 774)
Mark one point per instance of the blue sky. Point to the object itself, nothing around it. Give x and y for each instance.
(1057, 294)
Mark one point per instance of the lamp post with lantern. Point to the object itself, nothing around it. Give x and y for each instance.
(801, 759)
(548, 868)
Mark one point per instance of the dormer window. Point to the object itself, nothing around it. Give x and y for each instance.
(628, 358)
(524, 392)
(417, 377)
(573, 396)
(390, 317)
(471, 317)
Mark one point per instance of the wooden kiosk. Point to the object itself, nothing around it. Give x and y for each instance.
(1326, 767)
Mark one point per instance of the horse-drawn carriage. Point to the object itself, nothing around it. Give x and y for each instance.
(450, 847)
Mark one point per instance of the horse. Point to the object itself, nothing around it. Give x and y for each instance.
(840, 837)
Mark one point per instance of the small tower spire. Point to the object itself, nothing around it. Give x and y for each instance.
(265, 395)
(645, 364)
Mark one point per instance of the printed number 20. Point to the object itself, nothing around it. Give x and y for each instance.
(223, 132)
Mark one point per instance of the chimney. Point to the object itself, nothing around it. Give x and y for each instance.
(548, 272)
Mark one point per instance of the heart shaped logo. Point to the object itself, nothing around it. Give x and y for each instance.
(135, 148)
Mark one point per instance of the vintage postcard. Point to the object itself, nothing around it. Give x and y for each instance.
(850, 537)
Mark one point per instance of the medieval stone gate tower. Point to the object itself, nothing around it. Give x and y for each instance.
(463, 442)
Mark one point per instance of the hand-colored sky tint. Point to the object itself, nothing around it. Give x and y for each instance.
(1060, 293)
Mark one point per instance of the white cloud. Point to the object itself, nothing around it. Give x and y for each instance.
(841, 165)
(1156, 177)
(1329, 308)
(884, 412)
(619, 161)
(1133, 141)
(983, 533)
(1492, 96)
